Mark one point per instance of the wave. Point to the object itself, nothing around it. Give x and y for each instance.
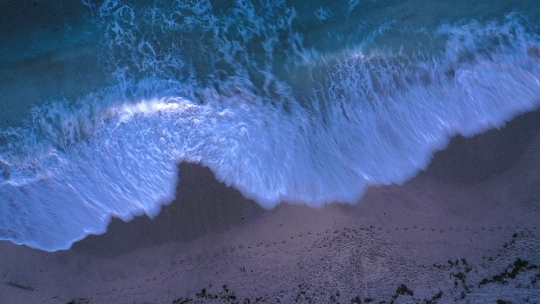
(319, 128)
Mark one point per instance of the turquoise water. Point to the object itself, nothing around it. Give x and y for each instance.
(299, 102)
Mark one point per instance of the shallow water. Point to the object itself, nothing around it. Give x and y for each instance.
(300, 102)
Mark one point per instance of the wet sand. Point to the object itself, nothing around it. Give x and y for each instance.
(466, 229)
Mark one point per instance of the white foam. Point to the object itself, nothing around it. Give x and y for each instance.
(375, 119)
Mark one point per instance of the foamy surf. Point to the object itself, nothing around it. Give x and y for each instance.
(319, 128)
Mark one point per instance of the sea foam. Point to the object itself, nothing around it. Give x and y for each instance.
(362, 116)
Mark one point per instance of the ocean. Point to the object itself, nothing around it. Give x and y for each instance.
(303, 102)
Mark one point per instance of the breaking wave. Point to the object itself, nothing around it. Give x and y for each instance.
(272, 112)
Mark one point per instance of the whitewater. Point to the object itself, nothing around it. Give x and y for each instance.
(284, 101)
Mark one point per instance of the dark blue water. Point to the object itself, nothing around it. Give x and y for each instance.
(288, 101)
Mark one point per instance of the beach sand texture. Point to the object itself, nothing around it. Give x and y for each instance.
(467, 225)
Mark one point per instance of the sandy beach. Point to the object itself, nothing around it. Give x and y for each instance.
(460, 229)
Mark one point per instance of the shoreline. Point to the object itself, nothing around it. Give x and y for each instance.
(211, 237)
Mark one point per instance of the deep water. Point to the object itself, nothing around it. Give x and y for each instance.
(288, 101)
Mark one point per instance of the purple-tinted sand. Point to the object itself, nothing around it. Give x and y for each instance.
(467, 228)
